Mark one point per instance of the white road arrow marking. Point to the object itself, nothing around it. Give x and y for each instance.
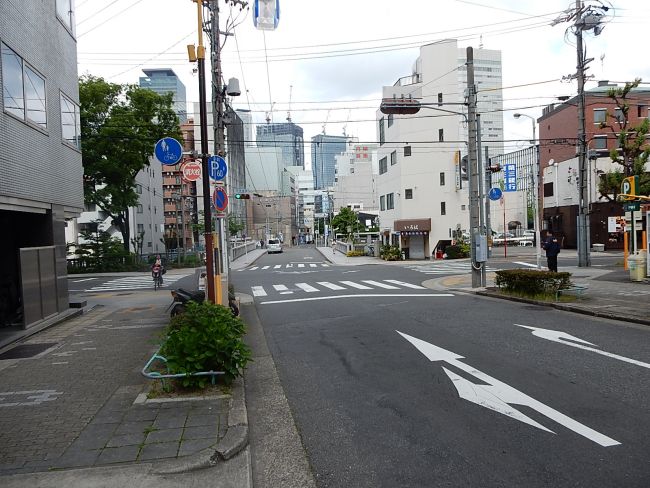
(564, 338)
(498, 396)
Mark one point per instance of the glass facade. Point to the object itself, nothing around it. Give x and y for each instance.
(163, 81)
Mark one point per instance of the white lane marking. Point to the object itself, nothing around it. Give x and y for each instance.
(282, 289)
(266, 267)
(301, 265)
(379, 284)
(85, 279)
(407, 285)
(500, 397)
(312, 265)
(289, 265)
(525, 264)
(563, 338)
(325, 265)
(331, 286)
(277, 266)
(253, 268)
(306, 287)
(361, 295)
(356, 285)
(258, 291)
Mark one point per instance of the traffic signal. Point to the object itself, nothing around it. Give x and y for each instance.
(242, 196)
(494, 168)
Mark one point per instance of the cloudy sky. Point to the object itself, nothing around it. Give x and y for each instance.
(338, 54)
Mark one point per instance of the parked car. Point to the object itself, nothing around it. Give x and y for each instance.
(273, 246)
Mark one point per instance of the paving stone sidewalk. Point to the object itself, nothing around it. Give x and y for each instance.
(71, 403)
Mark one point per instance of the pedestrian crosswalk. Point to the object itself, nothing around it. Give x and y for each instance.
(135, 283)
(445, 267)
(320, 286)
(292, 266)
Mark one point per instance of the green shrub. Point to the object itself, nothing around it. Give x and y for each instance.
(355, 253)
(531, 282)
(205, 338)
(457, 251)
(390, 253)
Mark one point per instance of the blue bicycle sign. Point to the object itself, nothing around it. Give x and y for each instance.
(168, 151)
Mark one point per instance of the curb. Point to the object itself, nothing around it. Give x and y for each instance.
(235, 440)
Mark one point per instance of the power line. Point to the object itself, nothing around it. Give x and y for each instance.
(109, 19)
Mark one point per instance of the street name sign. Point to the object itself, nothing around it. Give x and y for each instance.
(630, 206)
(217, 167)
(168, 151)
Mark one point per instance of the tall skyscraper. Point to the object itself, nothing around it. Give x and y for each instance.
(324, 150)
(287, 136)
(163, 81)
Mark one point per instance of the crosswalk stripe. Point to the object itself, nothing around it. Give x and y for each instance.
(306, 287)
(258, 291)
(253, 268)
(266, 267)
(380, 285)
(282, 289)
(301, 265)
(277, 266)
(356, 285)
(325, 265)
(407, 285)
(331, 286)
(313, 265)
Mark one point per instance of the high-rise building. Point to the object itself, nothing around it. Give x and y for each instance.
(286, 136)
(163, 81)
(324, 150)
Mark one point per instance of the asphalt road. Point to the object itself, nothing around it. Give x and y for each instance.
(141, 281)
(414, 387)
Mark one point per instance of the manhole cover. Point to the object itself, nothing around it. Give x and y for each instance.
(26, 351)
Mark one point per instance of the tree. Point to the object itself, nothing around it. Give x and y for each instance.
(120, 125)
(633, 149)
(235, 225)
(347, 222)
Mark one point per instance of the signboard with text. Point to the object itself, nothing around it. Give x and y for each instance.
(509, 177)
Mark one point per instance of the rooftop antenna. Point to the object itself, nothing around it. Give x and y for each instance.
(326, 119)
(346, 124)
(480, 44)
(289, 110)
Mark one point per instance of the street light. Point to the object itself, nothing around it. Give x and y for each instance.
(538, 248)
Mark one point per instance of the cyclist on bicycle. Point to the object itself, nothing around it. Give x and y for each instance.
(157, 270)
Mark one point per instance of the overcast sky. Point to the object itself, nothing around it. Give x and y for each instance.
(315, 49)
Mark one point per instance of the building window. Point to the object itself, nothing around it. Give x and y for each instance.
(443, 208)
(65, 13)
(618, 114)
(463, 207)
(351, 171)
(441, 135)
(442, 179)
(390, 201)
(408, 194)
(138, 189)
(439, 99)
(382, 203)
(381, 131)
(23, 89)
(390, 120)
(600, 115)
(548, 189)
(393, 158)
(383, 165)
(149, 244)
(70, 122)
(600, 142)
(139, 208)
(140, 228)
(640, 109)
(407, 150)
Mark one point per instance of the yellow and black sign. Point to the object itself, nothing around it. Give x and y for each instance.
(628, 187)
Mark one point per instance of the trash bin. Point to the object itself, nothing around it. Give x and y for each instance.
(637, 266)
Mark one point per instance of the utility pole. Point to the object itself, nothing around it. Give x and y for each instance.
(481, 188)
(583, 170)
(488, 187)
(473, 169)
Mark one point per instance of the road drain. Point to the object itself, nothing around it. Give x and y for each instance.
(25, 351)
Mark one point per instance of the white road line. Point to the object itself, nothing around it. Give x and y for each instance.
(85, 279)
(258, 291)
(289, 265)
(266, 267)
(313, 266)
(253, 268)
(362, 295)
(407, 285)
(325, 265)
(277, 266)
(301, 265)
(282, 289)
(331, 286)
(525, 264)
(381, 285)
(306, 287)
(356, 285)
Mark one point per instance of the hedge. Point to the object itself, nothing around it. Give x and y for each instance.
(532, 282)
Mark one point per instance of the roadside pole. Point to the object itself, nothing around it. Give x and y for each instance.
(481, 190)
(473, 167)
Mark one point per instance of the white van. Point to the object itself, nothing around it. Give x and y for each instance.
(273, 246)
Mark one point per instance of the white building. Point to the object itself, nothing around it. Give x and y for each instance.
(355, 184)
(422, 198)
(306, 196)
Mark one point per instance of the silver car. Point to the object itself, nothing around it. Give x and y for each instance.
(273, 245)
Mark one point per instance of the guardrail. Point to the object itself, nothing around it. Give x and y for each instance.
(241, 249)
(514, 241)
(156, 375)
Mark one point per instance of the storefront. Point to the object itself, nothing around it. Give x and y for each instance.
(414, 237)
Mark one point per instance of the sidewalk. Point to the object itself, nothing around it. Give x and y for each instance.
(607, 295)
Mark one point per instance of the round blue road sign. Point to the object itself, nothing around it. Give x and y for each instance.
(495, 193)
(168, 151)
(218, 168)
(220, 199)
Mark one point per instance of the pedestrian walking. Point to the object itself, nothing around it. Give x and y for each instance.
(552, 248)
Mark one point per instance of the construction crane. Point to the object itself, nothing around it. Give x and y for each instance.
(326, 119)
(345, 127)
(289, 109)
(269, 114)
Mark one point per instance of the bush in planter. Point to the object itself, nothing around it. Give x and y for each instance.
(457, 251)
(531, 282)
(354, 253)
(390, 253)
(205, 338)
